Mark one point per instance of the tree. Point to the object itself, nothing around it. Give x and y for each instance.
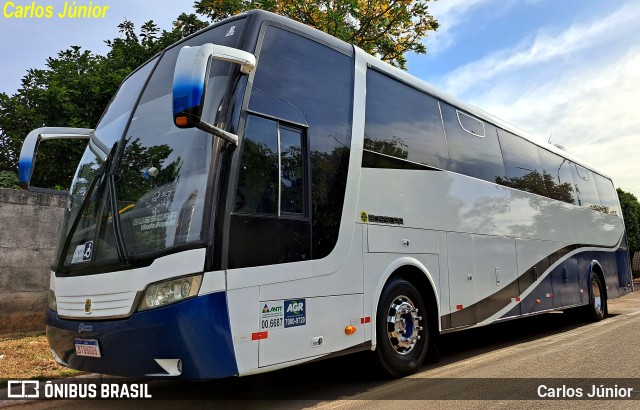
(385, 28)
(631, 214)
(188, 24)
(72, 91)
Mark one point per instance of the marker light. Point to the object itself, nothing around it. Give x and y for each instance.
(170, 291)
(349, 330)
(182, 121)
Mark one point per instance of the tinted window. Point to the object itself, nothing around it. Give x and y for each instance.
(608, 195)
(585, 186)
(522, 163)
(258, 178)
(403, 122)
(271, 172)
(469, 154)
(316, 85)
(291, 171)
(557, 176)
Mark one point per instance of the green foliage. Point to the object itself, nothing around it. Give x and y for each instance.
(72, 91)
(631, 214)
(76, 85)
(387, 29)
(8, 179)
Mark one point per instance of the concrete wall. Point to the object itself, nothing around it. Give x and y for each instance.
(29, 224)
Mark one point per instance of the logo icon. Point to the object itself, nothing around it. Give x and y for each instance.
(88, 251)
(87, 306)
(30, 389)
(296, 307)
(231, 31)
(364, 217)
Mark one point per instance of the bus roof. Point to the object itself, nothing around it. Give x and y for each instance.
(260, 16)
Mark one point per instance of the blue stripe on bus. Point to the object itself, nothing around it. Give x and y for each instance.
(197, 331)
(559, 289)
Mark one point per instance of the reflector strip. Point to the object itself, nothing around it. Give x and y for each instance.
(259, 335)
(364, 320)
(459, 307)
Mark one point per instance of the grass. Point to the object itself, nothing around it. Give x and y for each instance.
(29, 357)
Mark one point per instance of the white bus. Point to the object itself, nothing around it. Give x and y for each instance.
(262, 194)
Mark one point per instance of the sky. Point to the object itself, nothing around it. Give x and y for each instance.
(568, 71)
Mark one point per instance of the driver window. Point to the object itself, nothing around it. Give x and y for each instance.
(271, 177)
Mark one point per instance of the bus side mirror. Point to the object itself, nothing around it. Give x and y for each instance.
(31, 142)
(190, 84)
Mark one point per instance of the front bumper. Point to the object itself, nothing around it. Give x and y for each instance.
(196, 331)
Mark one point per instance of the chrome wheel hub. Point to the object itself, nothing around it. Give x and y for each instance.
(403, 325)
(597, 297)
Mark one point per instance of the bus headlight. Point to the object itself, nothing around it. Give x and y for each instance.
(51, 301)
(170, 291)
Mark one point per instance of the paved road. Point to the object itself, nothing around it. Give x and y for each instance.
(504, 363)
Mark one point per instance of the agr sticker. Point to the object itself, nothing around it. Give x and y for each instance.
(282, 314)
(294, 313)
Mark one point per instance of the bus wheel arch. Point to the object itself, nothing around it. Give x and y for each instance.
(596, 308)
(405, 321)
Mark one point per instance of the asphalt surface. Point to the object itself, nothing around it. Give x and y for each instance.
(503, 365)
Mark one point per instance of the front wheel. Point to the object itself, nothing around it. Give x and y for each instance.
(401, 329)
(597, 300)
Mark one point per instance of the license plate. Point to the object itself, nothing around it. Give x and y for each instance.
(87, 347)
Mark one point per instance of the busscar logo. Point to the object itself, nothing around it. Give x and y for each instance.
(84, 328)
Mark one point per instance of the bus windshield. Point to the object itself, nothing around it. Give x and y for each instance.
(150, 193)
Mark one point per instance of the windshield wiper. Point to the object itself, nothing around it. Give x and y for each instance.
(110, 188)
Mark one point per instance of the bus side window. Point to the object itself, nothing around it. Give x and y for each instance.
(557, 177)
(585, 187)
(401, 122)
(473, 145)
(522, 163)
(258, 178)
(608, 195)
(271, 178)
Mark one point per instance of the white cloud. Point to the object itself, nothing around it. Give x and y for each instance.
(545, 48)
(449, 14)
(581, 85)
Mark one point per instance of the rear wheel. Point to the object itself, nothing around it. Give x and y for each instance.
(401, 329)
(597, 300)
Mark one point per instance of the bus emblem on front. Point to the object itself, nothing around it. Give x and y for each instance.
(87, 306)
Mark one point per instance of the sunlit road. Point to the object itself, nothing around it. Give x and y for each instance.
(539, 349)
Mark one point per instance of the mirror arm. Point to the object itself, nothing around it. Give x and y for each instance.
(32, 141)
(218, 132)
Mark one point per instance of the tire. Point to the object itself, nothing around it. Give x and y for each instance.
(401, 309)
(597, 300)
